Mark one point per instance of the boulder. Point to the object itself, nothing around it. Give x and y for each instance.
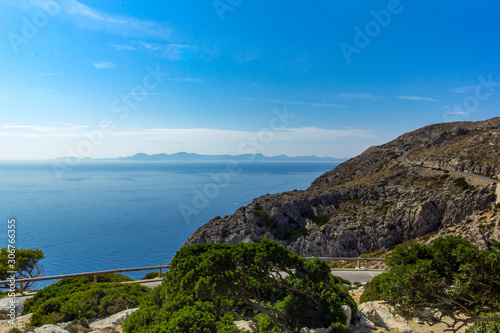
(19, 323)
(348, 313)
(112, 321)
(364, 322)
(6, 305)
(380, 314)
(50, 329)
(245, 326)
(316, 330)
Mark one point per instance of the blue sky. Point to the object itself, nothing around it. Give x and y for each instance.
(330, 78)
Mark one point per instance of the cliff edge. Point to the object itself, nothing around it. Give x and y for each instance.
(440, 178)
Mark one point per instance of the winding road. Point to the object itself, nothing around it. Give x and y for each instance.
(404, 161)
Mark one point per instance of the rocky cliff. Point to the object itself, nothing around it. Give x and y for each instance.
(436, 178)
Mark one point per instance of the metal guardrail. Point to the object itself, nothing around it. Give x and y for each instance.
(94, 273)
(358, 259)
(151, 268)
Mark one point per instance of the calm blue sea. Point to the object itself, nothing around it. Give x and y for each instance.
(109, 215)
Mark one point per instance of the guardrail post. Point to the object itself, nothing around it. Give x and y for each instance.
(95, 277)
(21, 287)
(159, 272)
(359, 263)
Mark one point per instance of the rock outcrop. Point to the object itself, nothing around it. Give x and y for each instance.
(113, 321)
(423, 182)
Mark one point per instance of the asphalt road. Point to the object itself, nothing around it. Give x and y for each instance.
(352, 275)
(357, 275)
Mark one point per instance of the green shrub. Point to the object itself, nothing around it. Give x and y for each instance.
(377, 289)
(152, 275)
(14, 330)
(211, 285)
(78, 326)
(450, 275)
(78, 298)
(462, 183)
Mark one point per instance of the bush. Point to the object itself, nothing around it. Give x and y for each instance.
(211, 285)
(78, 326)
(451, 276)
(78, 298)
(378, 288)
(462, 183)
(14, 330)
(152, 275)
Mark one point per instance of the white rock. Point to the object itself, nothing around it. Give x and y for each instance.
(364, 322)
(6, 304)
(348, 313)
(50, 329)
(112, 321)
(380, 314)
(368, 311)
(316, 330)
(245, 326)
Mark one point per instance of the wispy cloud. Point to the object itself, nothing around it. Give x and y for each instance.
(282, 101)
(32, 131)
(460, 113)
(171, 51)
(185, 79)
(149, 94)
(51, 74)
(216, 135)
(419, 98)
(246, 57)
(122, 47)
(85, 17)
(472, 88)
(185, 135)
(103, 65)
(350, 95)
(456, 110)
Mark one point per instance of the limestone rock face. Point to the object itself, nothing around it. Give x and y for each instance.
(433, 179)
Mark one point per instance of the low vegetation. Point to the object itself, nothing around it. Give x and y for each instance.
(451, 276)
(152, 275)
(211, 285)
(81, 298)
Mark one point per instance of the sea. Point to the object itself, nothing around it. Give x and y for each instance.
(112, 215)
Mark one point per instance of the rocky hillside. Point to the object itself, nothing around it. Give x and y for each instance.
(440, 177)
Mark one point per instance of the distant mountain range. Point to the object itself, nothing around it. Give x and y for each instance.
(192, 157)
